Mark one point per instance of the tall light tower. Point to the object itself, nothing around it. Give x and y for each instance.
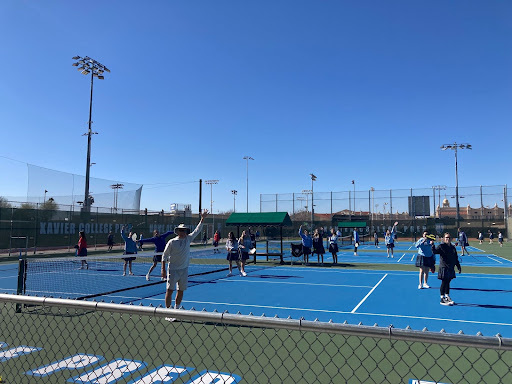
(116, 187)
(211, 183)
(373, 201)
(247, 158)
(87, 65)
(439, 188)
(354, 184)
(455, 147)
(313, 178)
(234, 192)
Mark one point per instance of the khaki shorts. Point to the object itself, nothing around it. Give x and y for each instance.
(177, 279)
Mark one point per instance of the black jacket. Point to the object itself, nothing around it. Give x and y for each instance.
(448, 256)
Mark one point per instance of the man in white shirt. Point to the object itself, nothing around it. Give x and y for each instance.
(177, 257)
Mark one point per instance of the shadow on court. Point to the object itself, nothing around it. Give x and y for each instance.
(481, 290)
(488, 306)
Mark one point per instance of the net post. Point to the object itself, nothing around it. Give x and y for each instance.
(20, 290)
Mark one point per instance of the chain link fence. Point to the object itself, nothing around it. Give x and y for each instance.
(56, 341)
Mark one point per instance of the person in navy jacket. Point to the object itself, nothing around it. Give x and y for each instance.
(160, 242)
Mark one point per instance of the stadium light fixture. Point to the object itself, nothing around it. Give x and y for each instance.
(454, 147)
(247, 158)
(87, 65)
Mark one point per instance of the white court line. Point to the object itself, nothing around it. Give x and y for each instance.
(342, 312)
(401, 258)
(292, 283)
(493, 259)
(369, 293)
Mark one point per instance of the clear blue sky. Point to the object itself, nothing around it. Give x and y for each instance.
(348, 90)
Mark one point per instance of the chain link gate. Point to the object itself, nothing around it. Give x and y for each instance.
(58, 341)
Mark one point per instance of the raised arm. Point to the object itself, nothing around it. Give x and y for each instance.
(199, 226)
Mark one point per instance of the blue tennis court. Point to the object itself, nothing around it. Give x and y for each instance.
(404, 253)
(326, 293)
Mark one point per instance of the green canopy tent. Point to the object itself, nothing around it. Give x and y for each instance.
(261, 219)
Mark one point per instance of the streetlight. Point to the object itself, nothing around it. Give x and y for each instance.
(354, 184)
(45, 192)
(313, 178)
(455, 147)
(211, 183)
(87, 65)
(301, 199)
(438, 188)
(247, 158)
(234, 192)
(116, 188)
(373, 201)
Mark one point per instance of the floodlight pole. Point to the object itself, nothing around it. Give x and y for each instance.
(455, 147)
(313, 178)
(87, 205)
(88, 65)
(247, 158)
(354, 184)
(234, 192)
(211, 183)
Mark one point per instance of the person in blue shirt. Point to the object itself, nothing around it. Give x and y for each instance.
(160, 243)
(130, 248)
(307, 243)
(463, 242)
(356, 241)
(425, 259)
(389, 239)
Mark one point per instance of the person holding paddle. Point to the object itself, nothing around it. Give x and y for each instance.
(425, 259)
(389, 239)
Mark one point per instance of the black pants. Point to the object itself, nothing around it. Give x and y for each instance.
(445, 287)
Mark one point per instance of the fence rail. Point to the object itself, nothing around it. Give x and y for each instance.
(61, 340)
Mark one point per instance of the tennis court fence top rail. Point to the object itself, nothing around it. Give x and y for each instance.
(475, 341)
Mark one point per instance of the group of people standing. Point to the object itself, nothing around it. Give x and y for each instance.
(448, 261)
(490, 236)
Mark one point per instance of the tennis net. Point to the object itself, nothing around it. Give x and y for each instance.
(102, 276)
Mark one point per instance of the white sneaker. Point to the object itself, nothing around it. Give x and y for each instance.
(147, 277)
(244, 274)
(425, 285)
(229, 274)
(419, 286)
(162, 278)
(131, 273)
(449, 300)
(124, 273)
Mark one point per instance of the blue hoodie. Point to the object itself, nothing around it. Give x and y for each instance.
(307, 241)
(130, 246)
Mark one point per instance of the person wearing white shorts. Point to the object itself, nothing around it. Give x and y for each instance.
(177, 279)
(177, 256)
